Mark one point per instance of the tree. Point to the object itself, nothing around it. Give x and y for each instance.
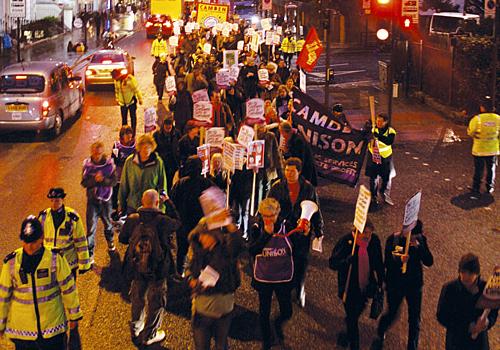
(440, 5)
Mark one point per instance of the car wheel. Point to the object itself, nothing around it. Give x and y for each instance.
(58, 124)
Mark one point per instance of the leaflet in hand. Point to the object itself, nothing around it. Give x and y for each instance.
(208, 277)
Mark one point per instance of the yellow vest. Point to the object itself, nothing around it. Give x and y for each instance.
(288, 45)
(384, 150)
(158, 47)
(50, 291)
(70, 238)
(299, 45)
(484, 128)
(126, 89)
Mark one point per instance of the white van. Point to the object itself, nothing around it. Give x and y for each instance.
(446, 23)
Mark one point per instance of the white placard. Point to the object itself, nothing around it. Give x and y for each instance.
(246, 135)
(235, 27)
(203, 153)
(225, 32)
(266, 23)
(215, 136)
(202, 111)
(196, 26)
(279, 30)
(173, 41)
(200, 95)
(263, 75)
(240, 45)
(223, 77)
(177, 30)
(362, 206)
(150, 118)
(170, 84)
(254, 43)
(250, 31)
(213, 200)
(219, 27)
(317, 244)
(233, 155)
(269, 38)
(411, 211)
(302, 81)
(255, 108)
(214, 31)
(208, 276)
(234, 72)
(230, 58)
(189, 27)
(276, 39)
(207, 48)
(255, 154)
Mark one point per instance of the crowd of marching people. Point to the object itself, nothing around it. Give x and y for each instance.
(152, 188)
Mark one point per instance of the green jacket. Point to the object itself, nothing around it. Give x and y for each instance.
(485, 129)
(138, 177)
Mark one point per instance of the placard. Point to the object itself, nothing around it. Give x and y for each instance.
(223, 77)
(235, 27)
(362, 206)
(189, 27)
(219, 27)
(215, 136)
(173, 41)
(246, 135)
(276, 39)
(255, 158)
(150, 118)
(266, 23)
(411, 212)
(255, 108)
(229, 58)
(232, 156)
(203, 153)
(263, 75)
(240, 45)
(279, 30)
(250, 31)
(200, 95)
(254, 43)
(269, 38)
(213, 201)
(170, 84)
(207, 48)
(225, 32)
(234, 72)
(177, 30)
(202, 111)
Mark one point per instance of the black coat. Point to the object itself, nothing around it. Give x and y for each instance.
(160, 70)
(182, 108)
(298, 147)
(168, 148)
(187, 147)
(249, 84)
(456, 311)
(339, 261)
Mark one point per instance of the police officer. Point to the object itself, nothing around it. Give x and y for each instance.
(158, 47)
(37, 293)
(380, 162)
(63, 229)
(484, 128)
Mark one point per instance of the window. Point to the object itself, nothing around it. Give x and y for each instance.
(107, 58)
(55, 82)
(22, 83)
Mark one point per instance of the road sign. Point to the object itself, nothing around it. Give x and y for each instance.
(18, 8)
(409, 8)
(78, 23)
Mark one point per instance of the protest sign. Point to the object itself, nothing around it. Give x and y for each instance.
(189, 27)
(203, 153)
(263, 75)
(213, 201)
(235, 27)
(339, 152)
(234, 72)
(170, 84)
(230, 58)
(255, 108)
(246, 135)
(196, 26)
(411, 212)
(214, 31)
(209, 276)
(173, 41)
(150, 119)
(266, 23)
(276, 39)
(215, 137)
(250, 32)
(208, 15)
(254, 43)
(269, 38)
(255, 157)
(362, 206)
(232, 156)
(223, 77)
(218, 27)
(279, 30)
(225, 32)
(240, 45)
(200, 95)
(207, 48)
(177, 31)
(202, 111)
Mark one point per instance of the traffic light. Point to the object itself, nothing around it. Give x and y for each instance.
(383, 8)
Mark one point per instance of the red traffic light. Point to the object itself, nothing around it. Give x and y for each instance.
(382, 8)
(407, 23)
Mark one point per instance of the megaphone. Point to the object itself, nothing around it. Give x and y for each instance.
(308, 209)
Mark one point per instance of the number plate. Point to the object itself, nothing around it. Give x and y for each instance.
(16, 108)
(17, 116)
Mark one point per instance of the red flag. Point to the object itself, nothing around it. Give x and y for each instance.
(311, 51)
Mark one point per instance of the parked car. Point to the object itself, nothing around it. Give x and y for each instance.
(159, 24)
(39, 95)
(101, 63)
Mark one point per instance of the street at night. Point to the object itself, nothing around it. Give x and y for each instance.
(431, 153)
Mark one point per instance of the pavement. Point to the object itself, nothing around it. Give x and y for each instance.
(431, 154)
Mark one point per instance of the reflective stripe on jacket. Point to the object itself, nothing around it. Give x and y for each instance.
(50, 291)
(384, 150)
(484, 128)
(126, 89)
(299, 45)
(288, 45)
(70, 238)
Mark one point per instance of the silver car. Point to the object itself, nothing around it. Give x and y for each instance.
(38, 96)
(103, 62)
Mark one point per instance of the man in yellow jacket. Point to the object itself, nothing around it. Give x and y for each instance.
(37, 293)
(288, 48)
(158, 47)
(127, 95)
(485, 130)
(63, 230)
(299, 45)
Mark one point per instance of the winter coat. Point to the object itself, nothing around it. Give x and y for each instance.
(160, 70)
(168, 148)
(99, 191)
(182, 107)
(298, 147)
(249, 84)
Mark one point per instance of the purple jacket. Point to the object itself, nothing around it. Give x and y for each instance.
(103, 190)
(122, 154)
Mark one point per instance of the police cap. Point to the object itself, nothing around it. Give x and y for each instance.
(56, 192)
(31, 229)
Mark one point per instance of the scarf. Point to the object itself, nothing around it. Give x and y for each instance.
(363, 264)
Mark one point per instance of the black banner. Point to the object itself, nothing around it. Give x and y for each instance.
(339, 152)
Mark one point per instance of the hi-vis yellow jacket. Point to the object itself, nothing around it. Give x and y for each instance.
(485, 129)
(126, 89)
(299, 45)
(384, 150)
(49, 291)
(288, 45)
(158, 47)
(69, 238)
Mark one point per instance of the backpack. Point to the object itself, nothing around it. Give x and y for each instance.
(146, 256)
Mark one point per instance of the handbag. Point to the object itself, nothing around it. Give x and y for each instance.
(377, 304)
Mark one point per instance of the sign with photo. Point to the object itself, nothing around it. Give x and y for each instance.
(255, 157)
(230, 58)
(203, 153)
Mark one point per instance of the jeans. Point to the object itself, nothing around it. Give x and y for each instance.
(354, 307)
(133, 115)
(96, 210)
(283, 294)
(152, 315)
(55, 343)
(480, 163)
(394, 299)
(205, 327)
(159, 90)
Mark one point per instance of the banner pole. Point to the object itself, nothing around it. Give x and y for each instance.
(344, 296)
(252, 199)
(407, 250)
(227, 188)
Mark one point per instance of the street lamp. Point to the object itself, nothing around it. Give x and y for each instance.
(382, 34)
